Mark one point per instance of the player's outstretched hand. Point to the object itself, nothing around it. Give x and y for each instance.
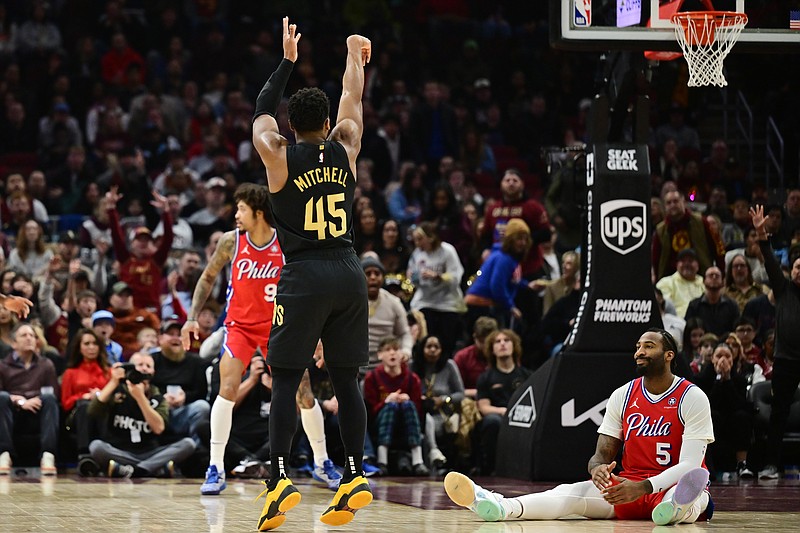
(290, 38)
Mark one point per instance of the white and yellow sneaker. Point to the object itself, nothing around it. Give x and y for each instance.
(466, 493)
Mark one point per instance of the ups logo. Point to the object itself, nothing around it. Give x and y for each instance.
(623, 224)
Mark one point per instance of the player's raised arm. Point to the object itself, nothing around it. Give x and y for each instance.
(350, 122)
(222, 256)
(266, 137)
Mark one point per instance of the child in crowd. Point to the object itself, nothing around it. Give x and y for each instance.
(148, 340)
(394, 396)
(103, 324)
(708, 342)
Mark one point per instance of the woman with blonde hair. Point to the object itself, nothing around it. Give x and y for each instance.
(568, 282)
(417, 325)
(736, 348)
(494, 288)
(725, 382)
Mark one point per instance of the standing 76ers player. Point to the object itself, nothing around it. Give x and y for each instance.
(256, 262)
(663, 423)
(322, 293)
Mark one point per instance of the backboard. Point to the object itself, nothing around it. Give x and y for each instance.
(774, 25)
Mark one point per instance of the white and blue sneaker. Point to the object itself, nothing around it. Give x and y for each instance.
(466, 493)
(328, 474)
(689, 488)
(214, 483)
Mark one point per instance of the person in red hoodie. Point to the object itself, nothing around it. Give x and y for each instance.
(87, 373)
(114, 63)
(142, 267)
(393, 394)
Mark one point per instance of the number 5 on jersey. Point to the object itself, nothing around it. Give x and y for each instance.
(316, 220)
(663, 455)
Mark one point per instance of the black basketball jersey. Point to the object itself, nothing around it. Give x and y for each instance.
(313, 211)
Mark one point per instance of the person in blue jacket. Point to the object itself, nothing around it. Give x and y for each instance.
(494, 288)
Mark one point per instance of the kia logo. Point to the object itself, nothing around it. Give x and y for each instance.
(622, 225)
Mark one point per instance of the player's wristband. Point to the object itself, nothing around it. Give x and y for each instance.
(272, 92)
(191, 319)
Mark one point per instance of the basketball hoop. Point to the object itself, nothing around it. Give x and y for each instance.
(705, 38)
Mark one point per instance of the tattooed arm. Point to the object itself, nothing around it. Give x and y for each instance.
(602, 462)
(222, 256)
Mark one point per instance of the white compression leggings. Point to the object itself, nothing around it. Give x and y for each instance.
(574, 499)
(580, 499)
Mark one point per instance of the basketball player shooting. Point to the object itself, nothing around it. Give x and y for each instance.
(322, 292)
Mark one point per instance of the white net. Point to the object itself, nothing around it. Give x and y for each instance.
(705, 39)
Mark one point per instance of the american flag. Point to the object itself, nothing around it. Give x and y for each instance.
(794, 20)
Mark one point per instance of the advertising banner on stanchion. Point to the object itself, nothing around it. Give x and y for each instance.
(618, 298)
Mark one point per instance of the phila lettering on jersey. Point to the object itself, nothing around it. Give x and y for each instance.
(652, 430)
(254, 281)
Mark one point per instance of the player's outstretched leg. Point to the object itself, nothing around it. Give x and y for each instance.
(689, 489)
(349, 498)
(281, 496)
(466, 493)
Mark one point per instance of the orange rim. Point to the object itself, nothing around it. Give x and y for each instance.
(718, 18)
(705, 24)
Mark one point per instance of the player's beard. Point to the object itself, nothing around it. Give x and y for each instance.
(654, 367)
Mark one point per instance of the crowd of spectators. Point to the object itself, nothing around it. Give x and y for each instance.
(126, 128)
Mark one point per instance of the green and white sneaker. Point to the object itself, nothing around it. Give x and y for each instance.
(466, 493)
(689, 488)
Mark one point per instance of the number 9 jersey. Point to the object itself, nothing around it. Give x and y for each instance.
(254, 282)
(313, 210)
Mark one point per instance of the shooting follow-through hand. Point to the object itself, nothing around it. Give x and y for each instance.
(290, 38)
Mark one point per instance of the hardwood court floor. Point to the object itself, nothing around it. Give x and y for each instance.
(69, 503)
